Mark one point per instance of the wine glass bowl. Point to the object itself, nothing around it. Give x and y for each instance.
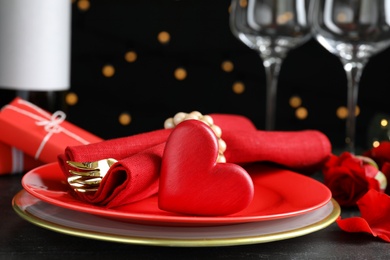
(272, 28)
(354, 31)
(349, 35)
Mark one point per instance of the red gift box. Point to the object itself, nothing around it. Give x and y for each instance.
(38, 133)
(13, 160)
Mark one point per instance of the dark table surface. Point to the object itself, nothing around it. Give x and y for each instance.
(22, 239)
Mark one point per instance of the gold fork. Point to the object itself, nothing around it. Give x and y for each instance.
(87, 175)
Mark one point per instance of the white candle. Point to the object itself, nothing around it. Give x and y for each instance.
(35, 44)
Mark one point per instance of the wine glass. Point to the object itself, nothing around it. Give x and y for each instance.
(272, 28)
(353, 30)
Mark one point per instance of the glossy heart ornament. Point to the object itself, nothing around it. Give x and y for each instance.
(191, 181)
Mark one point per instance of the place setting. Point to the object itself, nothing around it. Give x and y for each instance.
(203, 180)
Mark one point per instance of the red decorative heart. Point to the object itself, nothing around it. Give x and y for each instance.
(191, 181)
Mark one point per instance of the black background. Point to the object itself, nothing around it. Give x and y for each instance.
(200, 41)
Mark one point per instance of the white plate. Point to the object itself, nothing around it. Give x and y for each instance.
(91, 226)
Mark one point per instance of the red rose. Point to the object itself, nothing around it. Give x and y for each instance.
(349, 178)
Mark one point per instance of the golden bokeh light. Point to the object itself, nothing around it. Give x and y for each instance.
(342, 112)
(295, 101)
(124, 118)
(341, 17)
(227, 66)
(301, 113)
(357, 111)
(238, 87)
(83, 5)
(108, 71)
(285, 18)
(243, 3)
(131, 56)
(384, 122)
(71, 98)
(164, 37)
(180, 73)
(375, 143)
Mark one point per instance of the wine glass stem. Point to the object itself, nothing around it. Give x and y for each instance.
(354, 71)
(272, 69)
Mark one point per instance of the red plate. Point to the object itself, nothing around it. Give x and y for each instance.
(278, 194)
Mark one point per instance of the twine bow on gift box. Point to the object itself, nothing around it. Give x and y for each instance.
(31, 129)
(51, 123)
(52, 126)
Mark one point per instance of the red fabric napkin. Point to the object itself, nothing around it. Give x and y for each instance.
(131, 179)
(136, 174)
(303, 151)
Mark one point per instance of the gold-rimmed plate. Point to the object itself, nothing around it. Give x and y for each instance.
(279, 193)
(86, 225)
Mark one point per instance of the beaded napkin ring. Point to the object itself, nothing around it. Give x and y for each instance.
(208, 120)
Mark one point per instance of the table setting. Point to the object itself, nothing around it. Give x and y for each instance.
(212, 180)
(136, 187)
(266, 189)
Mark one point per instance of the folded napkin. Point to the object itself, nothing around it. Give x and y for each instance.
(131, 179)
(135, 176)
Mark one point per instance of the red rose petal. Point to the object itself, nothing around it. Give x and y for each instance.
(354, 224)
(374, 207)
